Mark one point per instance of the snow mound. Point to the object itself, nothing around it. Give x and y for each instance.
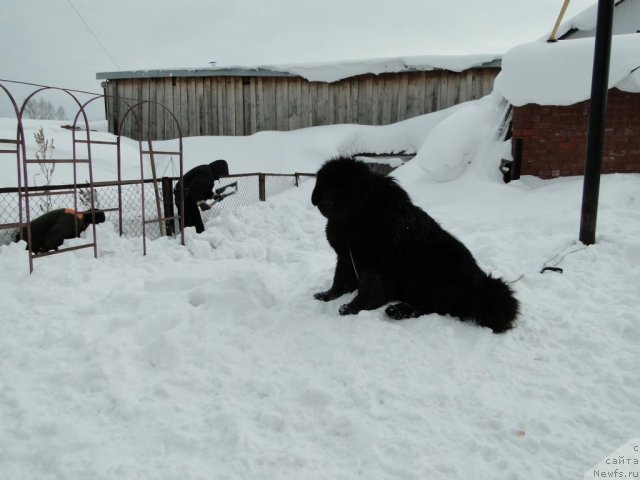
(456, 140)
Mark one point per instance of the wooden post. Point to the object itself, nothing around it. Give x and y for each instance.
(516, 166)
(552, 37)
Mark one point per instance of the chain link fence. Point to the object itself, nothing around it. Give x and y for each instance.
(252, 188)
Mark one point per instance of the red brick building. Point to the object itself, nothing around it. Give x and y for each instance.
(555, 137)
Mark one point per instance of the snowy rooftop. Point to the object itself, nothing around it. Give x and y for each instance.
(325, 72)
(559, 73)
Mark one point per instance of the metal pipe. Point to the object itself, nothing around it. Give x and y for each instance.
(597, 113)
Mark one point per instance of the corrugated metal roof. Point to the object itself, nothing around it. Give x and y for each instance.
(194, 72)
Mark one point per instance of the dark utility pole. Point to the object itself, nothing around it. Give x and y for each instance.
(597, 112)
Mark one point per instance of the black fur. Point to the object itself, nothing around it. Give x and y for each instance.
(389, 249)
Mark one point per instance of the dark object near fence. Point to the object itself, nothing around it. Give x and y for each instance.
(49, 231)
(511, 168)
(505, 169)
(194, 189)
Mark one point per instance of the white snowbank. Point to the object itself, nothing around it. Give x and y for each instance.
(456, 140)
(559, 73)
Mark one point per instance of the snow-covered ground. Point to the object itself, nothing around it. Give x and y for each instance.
(213, 361)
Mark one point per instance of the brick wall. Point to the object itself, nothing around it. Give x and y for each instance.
(555, 138)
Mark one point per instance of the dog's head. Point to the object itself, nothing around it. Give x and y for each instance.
(343, 185)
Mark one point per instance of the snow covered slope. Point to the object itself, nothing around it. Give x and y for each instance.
(212, 360)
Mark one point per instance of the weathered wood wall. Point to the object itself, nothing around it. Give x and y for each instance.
(226, 105)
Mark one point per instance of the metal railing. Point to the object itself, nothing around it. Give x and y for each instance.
(252, 188)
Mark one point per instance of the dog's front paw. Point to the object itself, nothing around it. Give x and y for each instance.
(348, 309)
(325, 296)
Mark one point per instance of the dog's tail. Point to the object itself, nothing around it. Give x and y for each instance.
(497, 306)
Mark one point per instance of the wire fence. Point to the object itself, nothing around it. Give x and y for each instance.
(252, 188)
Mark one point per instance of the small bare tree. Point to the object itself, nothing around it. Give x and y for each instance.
(44, 110)
(44, 155)
(60, 113)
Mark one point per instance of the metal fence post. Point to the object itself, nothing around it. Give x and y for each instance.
(167, 200)
(262, 190)
(516, 166)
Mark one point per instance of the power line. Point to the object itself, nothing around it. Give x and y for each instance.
(93, 34)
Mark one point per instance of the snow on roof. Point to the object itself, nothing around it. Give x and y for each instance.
(559, 73)
(326, 72)
(584, 23)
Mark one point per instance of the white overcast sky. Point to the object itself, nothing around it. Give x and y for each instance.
(47, 42)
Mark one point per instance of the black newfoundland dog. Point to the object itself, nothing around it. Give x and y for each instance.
(389, 249)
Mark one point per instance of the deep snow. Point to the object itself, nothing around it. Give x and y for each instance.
(212, 360)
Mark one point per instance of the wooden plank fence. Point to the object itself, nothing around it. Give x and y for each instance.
(243, 105)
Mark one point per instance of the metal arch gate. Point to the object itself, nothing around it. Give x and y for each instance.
(23, 162)
(12, 146)
(134, 109)
(17, 147)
